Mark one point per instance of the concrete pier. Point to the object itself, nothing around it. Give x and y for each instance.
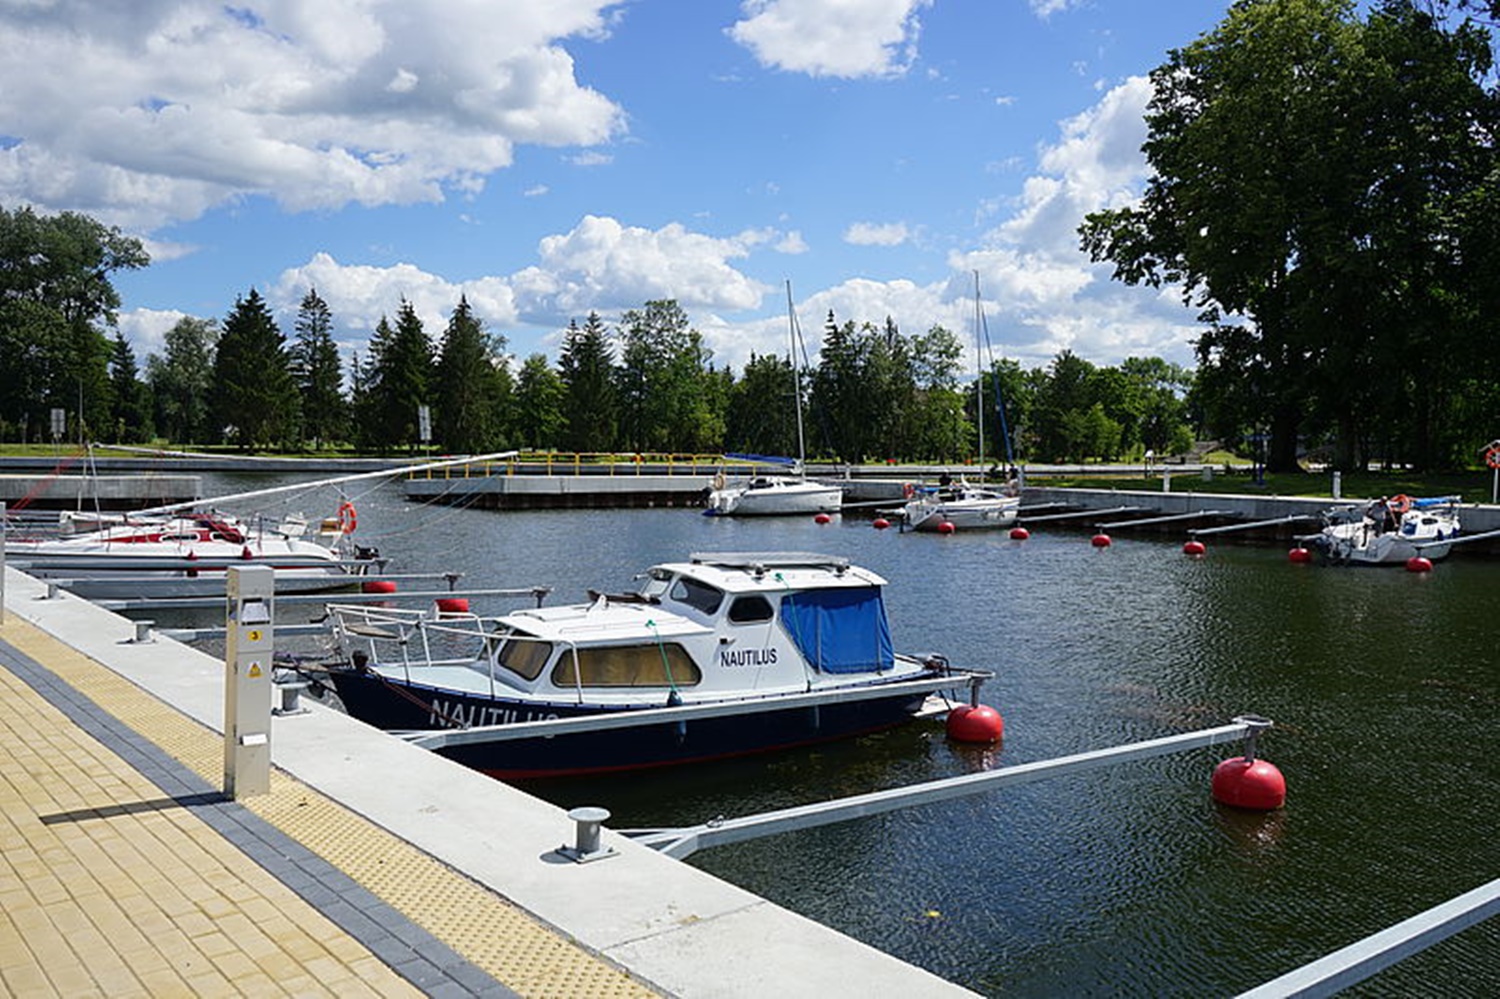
(103, 492)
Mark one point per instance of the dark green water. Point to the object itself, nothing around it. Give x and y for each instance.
(1130, 881)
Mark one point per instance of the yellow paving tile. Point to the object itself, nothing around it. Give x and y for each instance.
(507, 943)
(97, 901)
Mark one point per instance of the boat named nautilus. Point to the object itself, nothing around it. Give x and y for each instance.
(795, 648)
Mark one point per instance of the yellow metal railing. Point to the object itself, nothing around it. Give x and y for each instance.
(579, 463)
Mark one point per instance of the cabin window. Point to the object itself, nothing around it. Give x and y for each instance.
(524, 656)
(699, 596)
(654, 665)
(751, 609)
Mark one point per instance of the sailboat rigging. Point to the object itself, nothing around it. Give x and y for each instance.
(777, 495)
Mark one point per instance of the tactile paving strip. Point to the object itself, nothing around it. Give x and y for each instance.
(509, 944)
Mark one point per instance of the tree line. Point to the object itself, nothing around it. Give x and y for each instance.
(646, 384)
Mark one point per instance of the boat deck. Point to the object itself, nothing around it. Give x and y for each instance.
(371, 868)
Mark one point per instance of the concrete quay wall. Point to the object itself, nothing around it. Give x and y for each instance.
(104, 492)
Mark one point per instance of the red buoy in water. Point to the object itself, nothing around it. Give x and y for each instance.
(881, 523)
(1418, 563)
(1255, 785)
(1299, 555)
(452, 605)
(822, 518)
(378, 586)
(975, 723)
(1194, 547)
(1019, 534)
(1101, 540)
(946, 527)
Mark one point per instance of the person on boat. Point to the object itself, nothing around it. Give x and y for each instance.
(1381, 516)
(945, 487)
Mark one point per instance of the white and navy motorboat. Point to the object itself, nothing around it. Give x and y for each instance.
(1389, 531)
(779, 650)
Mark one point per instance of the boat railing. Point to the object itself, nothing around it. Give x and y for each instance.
(388, 634)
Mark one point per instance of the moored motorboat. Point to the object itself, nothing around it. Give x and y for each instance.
(962, 506)
(796, 647)
(1389, 531)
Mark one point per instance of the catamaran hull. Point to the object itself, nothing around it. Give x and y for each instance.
(389, 705)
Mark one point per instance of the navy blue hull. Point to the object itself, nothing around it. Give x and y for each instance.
(390, 706)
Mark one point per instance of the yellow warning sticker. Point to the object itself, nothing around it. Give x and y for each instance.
(255, 671)
(253, 636)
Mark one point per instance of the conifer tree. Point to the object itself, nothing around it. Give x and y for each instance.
(254, 397)
(470, 392)
(319, 373)
(589, 404)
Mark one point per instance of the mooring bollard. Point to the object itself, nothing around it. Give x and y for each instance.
(143, 633)
(290, 694)
(586, 846)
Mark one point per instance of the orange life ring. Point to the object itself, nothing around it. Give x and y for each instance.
(348, 519)
(908, 490)
(1400, 504)
(1492, 457)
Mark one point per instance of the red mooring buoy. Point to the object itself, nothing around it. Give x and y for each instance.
(1194, 547)
(1254, 785)
(822, 518)
(1299, 555)
(1418, 563)
(378, 586)
(975, 723)
(1101, 540)
(1019, 534)
(452, 605)
(881, 523)
(946, 527)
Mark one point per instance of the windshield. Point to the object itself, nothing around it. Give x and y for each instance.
(524, 655)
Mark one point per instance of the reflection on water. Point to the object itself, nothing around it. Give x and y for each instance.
(1125, 881)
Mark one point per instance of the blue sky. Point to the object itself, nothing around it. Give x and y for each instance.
(551, 157)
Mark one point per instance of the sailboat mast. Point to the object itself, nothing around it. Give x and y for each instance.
(978, 369)
(791, 316)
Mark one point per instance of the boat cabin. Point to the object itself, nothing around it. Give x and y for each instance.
(714, 626)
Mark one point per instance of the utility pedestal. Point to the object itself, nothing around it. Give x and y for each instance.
(249, 609)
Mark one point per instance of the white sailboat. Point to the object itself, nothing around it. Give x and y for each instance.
(182, 550)
(776, 495)
(963, 506)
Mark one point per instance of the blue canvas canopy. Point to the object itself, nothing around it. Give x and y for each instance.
(840, 630)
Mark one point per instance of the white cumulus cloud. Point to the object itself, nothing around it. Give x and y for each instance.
(836, 38)
(168, 108)
(876, 234)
